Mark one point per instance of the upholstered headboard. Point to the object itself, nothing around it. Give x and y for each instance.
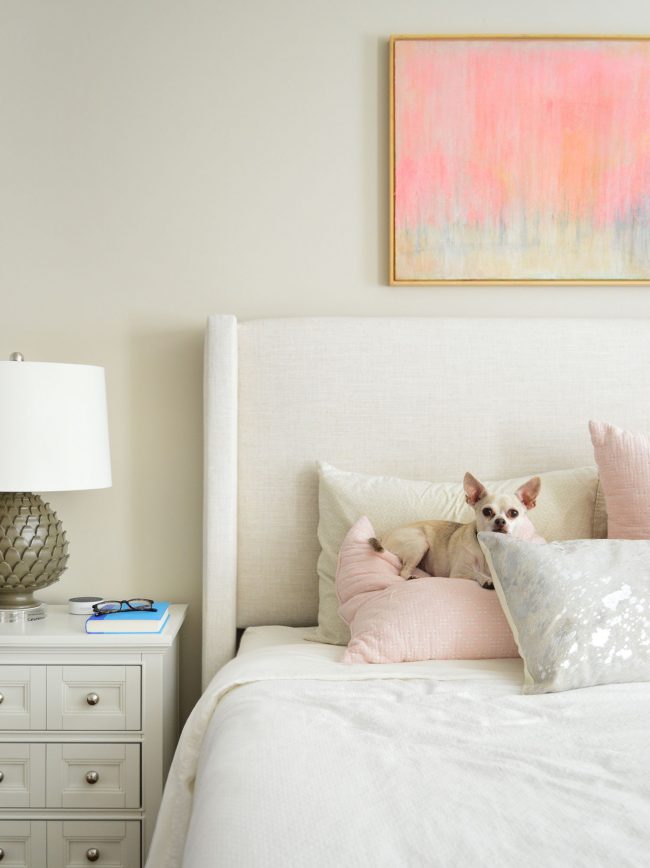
(418, 398)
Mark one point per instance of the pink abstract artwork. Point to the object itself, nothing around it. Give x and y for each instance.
(520, 160)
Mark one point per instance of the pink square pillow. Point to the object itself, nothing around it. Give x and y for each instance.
(392, 619)
(623, 460)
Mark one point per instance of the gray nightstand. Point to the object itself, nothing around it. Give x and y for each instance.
(88, 727)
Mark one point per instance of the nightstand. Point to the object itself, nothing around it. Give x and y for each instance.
(88, 727)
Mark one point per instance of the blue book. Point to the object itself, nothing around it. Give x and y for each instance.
(130, 621)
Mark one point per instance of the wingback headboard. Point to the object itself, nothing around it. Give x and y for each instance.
(420, 398)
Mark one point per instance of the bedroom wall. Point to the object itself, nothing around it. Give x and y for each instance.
(164, 160)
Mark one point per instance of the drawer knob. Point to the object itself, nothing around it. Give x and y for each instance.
(92, 699)
(2, 777)
(92, 777)
(2, 699)
(92, 854)
(2, 853)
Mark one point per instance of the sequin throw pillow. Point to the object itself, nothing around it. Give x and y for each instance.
(579, 610)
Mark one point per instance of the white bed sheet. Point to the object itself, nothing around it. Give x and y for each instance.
(256, 638)
(292, 759)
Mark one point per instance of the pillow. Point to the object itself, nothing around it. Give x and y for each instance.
(623, 460)
(579, 610)
(394, 620)
(567, 508)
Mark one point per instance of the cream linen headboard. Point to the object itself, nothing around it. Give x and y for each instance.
(418, 398)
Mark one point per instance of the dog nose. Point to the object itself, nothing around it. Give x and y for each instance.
(499, 521)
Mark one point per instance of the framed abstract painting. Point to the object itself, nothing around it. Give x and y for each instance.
(520, 159)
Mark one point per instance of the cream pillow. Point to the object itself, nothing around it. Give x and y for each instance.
(568, 508)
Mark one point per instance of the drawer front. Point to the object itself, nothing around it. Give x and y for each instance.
(23, 843)
(93, 775)
(75, 843)
(93, 697)
(22, 697)
(22, 775)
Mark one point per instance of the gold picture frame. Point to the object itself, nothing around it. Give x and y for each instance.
(516, 155)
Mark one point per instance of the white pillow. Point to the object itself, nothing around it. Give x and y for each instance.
(579, 610)
(568, 507)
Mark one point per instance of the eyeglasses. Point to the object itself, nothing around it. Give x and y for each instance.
(110, 607)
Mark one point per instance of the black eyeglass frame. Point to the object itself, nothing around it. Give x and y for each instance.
(97, 607)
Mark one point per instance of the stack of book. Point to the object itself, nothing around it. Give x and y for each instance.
(130, 620)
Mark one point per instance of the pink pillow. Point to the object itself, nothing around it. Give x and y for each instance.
(623, 460)
(393, 619)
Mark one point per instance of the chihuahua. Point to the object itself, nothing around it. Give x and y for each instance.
(448, 548)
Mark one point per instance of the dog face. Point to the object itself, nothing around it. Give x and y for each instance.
(500, 513)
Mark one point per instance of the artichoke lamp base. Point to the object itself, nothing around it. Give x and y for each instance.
(33, 554)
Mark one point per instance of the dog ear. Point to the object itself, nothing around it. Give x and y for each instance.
(528, 492)
(474, 490)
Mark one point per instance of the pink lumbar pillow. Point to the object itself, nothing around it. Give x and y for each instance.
(394, 620)
(623, 460)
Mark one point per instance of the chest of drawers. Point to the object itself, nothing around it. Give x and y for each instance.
(88, 726)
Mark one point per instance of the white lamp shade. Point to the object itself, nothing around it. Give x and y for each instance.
(53, 427)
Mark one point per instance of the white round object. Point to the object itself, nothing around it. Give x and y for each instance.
(83, 605)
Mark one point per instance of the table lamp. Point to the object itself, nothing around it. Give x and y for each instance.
(53, 437)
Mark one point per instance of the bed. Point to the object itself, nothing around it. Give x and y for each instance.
(290, 757)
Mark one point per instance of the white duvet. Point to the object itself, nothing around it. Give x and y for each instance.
(293, 759)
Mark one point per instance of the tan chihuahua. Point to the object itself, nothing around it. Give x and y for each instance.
(448, 548)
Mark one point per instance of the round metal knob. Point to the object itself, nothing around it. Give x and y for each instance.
(92, 777)
(92, 699)
(2, 697)
(2, 853)
(92, 854)
(2, 777)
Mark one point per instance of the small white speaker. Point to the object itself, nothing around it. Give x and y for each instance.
(82, 605)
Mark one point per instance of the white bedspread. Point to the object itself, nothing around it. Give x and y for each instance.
(293, 759)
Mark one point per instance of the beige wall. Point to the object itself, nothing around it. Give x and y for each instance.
(162, 160)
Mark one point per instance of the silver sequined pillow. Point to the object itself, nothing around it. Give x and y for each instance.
(579, 610)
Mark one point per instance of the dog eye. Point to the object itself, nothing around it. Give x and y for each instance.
(512, 513)
(487, 512)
